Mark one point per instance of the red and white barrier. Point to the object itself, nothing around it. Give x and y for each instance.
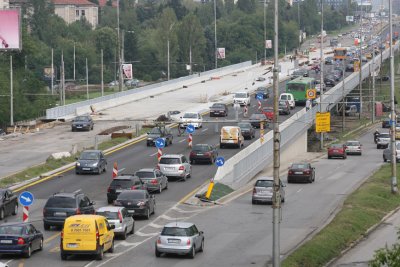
(25, 214)
(190, 140)
(115, 170)
(159, 154)
(259, 105)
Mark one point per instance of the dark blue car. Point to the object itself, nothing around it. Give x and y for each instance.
(20, 238)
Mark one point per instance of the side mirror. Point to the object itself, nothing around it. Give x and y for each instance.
(201, 232)
(148, 132)
(283, 185)
(180, 117)
(92, 203)
(111, 227)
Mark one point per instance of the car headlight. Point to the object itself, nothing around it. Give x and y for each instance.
(150, 139)
(78, 164)
(95, 164)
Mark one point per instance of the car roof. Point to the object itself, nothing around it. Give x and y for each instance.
(92, 150)
(146, 170)
(15, 224)
(64, 194)
(109, 208)
(265, 178)
(241, 92)
(172, 156)
(124, 177)
(134, 191)
(179, 224)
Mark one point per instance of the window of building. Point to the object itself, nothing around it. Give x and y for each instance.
(77, 13)
(82, 13)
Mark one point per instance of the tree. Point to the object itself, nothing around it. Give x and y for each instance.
(247, 6)
(387, 256)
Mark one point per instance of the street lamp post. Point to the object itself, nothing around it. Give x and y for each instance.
(265, 31)
(322, 66)
(215, 34)
(168, 59)
(120, 78)
(360, 74)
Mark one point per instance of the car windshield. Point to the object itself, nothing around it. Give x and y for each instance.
(170, 161)
(155, 131)
(261, 89)
(134, 194)
(268, 109)
(264, 183)
(284, 97)
(218, 106)
(244, 125)
(282, 103)
(111, 215)
(201, 148)
(144, 174)
(299, 166)
(61, 202)
(190, 116)
(257, 116)
(296, 87)
(81, 118)
(11, 230)
(336, 146)
(384, 135)
(124, 183)
(352, 143)
(240, 95)
(175, 231)
(89, 156)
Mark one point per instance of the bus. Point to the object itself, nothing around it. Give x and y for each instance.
(298, 88)
(339, 53)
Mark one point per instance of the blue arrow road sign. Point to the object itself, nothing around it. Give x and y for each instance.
(190, 128)
(26, 198)
(220, 161)
(160, 143)
(260, 96)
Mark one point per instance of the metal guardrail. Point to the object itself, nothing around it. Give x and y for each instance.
(68, 110)
(243, 166)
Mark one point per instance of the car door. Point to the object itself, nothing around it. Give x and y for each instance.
(186, 164)
(128, 219)
(160, 179)
(8, 203)
(196, 236)
(31, 232)
(12, 201)
(103, 160)
(87, 205)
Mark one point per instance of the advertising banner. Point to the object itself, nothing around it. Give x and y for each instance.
(10, 29)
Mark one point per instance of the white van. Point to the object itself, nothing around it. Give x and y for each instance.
(289, 97)
(242, 98)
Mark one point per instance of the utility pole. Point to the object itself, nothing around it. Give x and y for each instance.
(322, 67)
(63, 78)
(360, 77)
(168, 59)
(265, 31)
(102, 74)
(87, 81)
(392, 105)
(52, 71)
(276, 202)
(74, 61)
(190, 60)
(373, 86)
(343, 101)
(215, 34)
(11, 93)
(120, 79)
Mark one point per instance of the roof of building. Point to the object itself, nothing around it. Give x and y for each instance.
(103, 3)
(74, 2)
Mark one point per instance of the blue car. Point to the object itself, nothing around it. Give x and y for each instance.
(20, 238)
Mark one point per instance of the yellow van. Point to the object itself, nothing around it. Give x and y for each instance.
(86, 234)
(231, 135)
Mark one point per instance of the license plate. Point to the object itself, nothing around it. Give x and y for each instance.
(60, 214)
(200, 154)
(118, 191)
(298, 172)
(78, 126)
(174, 241)
(169, 168)
(335, 151)
(86, 169)
(6, 241)
(72, 245)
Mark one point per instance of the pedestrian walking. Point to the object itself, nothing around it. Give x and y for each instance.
(308, 104)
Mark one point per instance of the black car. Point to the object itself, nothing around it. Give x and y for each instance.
(300, 73)
(159, 132)
(218, 109)
(62, 205)
(8, 203)
(330, 81)
(284, 107)
(137, 202)
(91, 161)
(203, 152)
(124, 182)
(247, 130)
(264, 91)
(386, 123)
(303, 172)
(84, 122)
(329, 61)
(350, 67)
(20, 238)
(256, 119)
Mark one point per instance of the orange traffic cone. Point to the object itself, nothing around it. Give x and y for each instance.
(115, 170)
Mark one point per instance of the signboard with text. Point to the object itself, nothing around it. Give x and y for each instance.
(323, 122)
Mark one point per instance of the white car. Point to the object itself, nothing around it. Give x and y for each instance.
(353, 147)
(120, 217)
(289, 97)
(383, 140)
(193, 118)
(242, 98)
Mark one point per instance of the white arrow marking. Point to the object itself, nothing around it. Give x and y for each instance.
(27, 199)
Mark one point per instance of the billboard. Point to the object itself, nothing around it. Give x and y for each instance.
(221, 53)
(127, 71)
(349, 18)
(10, 29)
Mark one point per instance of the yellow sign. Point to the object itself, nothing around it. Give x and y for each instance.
(323, 122)
(356, 66)
(311, 93)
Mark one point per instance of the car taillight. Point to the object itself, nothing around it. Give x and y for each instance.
(77, 211)
(208, 154)
(154, 181)
(159, 240)
(133, 187)
(109, 189)
(181, 168)
(290, 172)
(345, 147)
(254, 191)
(307, 172)
(120, 216)
(193, 153)
(44, 211)
(188, 242)
(158, 167)
(21, 241)
(97, 234)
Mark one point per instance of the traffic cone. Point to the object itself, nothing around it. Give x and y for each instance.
(115, 170)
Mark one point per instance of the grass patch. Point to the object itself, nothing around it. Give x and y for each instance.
(111, 143)
(362, 209)
(219, 191)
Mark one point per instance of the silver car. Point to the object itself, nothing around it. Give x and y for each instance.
(387, 153)
(118, 216)
(263, 190)
(353, 147)
(383, 140)
(175, 165)
(155, 180)
(181, 238)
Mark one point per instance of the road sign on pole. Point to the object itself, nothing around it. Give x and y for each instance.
(260, 96)
(190, 129)
(323, 122)
(245, 111)
(160, 143)
(220, 161)
(311, 93)
(26, 198)
(259, 105)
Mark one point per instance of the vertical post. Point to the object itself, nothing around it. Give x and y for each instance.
(392, 105)
(276, 202)
(190, 59)
(96, 142)
(52, 71)
(102, 74)
(87, 81)
(11, 93)
(265, 31)
(360, 77)
(322, 67)
(168, 70)
(215, 33)
(63, 78)
(25, 214)
(343, 100)
(74, 61)
(373, 86)
(120, 80)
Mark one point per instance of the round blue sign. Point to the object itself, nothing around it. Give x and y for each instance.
(260, 96)
(160, 143)
(26, 198)
(220, 161)
(190, 128)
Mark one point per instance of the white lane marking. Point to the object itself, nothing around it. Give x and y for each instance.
(144, 234)
(186, 211)
(152, 155)
(127, 244)
(154, 225)
(183, 140)
(298, 191)
(173, 219)
(253, 106)
(205, 129)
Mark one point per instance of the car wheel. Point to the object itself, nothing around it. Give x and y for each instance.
(310, 180)
(109, 201)
(384, 159)
(46, 226)
(201, 246)
(158, 253)
(111, 249)
(329, 157)
(77, 173)
(166, 185)
(99, 171)
(192, 253)
(15, 209)
(283, 200)
(154, 209)
(41, 245)
(123, 236)
(100, 254)
(72, 130)
(147, 144)
(253, 202)
(221, 146)
(28, 253)
(189, 175)
(133, 229)
(63, 256)
(378, 146)
(148, 214)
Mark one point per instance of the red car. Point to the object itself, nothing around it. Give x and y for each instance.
(269, 112)
(337, 151)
